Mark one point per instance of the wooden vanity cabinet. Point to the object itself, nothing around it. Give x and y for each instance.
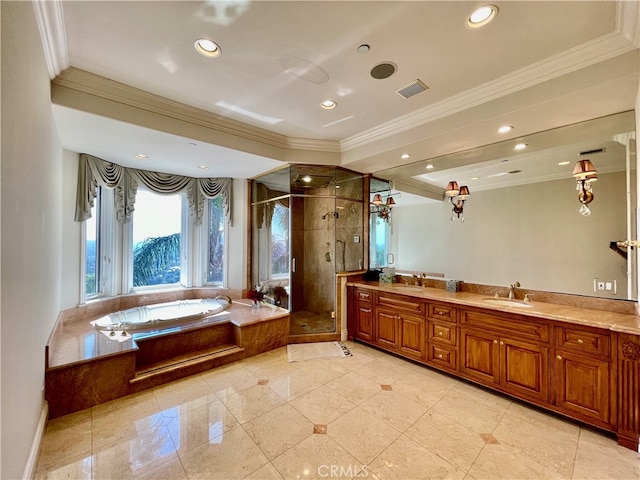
(582, 373)
(363, 315)
(400, 324)
(505, 352)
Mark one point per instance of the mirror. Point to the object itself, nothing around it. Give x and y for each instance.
(521, 219)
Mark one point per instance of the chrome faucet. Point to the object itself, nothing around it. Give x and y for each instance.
(512, 289)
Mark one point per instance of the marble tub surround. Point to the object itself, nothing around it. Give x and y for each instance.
(606, 316)
(238, 422)
(86, 367)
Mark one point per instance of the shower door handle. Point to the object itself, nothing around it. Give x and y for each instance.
(293, 265)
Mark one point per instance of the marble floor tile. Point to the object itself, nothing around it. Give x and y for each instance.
(228, 380)
(362, 434)
(318, 456)
(406, 459)
(191, 392)
(273, 440)
(354, 387)
(134, 457)
(394, 409)
(369, 416)
(322, 405)
(600, 457)
(191, 427)
(252, 402)
(508, 463)
(471, 410)
(234, 455)
(448, 439)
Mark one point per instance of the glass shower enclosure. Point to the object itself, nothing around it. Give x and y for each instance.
(307, 225)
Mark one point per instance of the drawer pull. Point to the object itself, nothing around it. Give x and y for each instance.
(495, 341)
(439, 355)
(559, 357)
(440, 333)
(440, 312)
(501, 343)
(580, 341)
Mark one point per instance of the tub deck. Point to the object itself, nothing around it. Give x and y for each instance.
(86, 366)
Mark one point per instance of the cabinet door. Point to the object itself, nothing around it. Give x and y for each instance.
(582, 385)
(412, 336)
(387, 329)
(364, 323)
(479, 356)
(524, 368)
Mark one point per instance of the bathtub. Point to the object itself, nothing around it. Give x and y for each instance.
(160, 314)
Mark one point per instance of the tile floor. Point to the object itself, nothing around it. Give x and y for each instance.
(367, 416)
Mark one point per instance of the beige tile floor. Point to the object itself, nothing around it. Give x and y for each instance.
(371, 416)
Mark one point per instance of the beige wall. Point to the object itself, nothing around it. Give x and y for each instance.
(531, 233)
(31, 199)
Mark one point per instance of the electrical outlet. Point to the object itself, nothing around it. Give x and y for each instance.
(356, 239)
(605, 286)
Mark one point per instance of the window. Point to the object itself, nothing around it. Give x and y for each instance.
(379, 244)
(216, 244)
(279, 241)
(157, 236)
(92, 251)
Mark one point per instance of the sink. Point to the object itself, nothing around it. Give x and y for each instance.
(505, 302)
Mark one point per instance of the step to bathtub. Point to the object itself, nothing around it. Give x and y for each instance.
(183, 362)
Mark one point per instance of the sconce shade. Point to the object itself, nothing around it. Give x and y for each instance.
(390, 202)
(452, 189)
(464, 193)
(377, 199)
(584, 169)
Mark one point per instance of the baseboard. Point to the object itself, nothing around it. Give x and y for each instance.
(32, 460)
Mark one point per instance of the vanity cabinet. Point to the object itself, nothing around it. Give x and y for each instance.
(494, 354)
(582, 373)
(363, 315)
(587, 373)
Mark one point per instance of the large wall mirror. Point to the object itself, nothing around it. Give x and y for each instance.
(522, 219)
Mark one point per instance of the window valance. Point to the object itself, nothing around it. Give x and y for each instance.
(93, 171)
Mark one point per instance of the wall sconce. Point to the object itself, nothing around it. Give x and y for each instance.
(585, 173)
(382, 208)
(457, 196)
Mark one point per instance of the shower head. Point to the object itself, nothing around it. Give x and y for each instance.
(329, 215)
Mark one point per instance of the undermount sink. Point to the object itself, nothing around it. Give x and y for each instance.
(507, 303)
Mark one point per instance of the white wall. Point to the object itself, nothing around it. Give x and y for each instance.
(237, 241)
(71, 234)
(531, 233)
(31, 200)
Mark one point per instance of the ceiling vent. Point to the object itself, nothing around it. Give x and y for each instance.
(412, 89)
(593, 152)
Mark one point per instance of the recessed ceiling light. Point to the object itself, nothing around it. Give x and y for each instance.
(563, 163)
(328, 104)
(203, 167)
(505, 129)
(520, 146)
(404, 156)
(430, 166)
(364, 48)
(481, 16)
(141, 156)
(306, 178)
(475, 178)
(207, 48)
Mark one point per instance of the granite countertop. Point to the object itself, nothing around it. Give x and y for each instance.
(80, 341)
(618, 322)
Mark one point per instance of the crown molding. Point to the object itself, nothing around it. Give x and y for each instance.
(50, 19)
(96, 85)
(623, 40)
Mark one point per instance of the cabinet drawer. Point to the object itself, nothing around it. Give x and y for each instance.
(515, 327)
(443, 333)
(441, 311)
(587, 341)
(442, 356)
(406, 303)
(363, 296)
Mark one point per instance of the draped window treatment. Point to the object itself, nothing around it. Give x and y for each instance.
(94, 172)
(265, 209)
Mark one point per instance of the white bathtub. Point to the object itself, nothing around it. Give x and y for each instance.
(159, 314)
